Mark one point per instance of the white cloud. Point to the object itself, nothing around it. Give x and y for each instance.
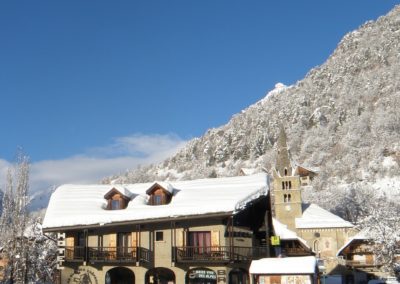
(99, 162)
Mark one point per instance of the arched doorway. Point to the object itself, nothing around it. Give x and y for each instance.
(238, 276)
(201, 276)
(160, 275)
(120, 275)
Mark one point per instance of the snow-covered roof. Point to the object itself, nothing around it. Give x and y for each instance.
(317, 217)
(284, 233)
(284, 265)
(310, 169)
(121, 189)
(79, 205)
(360, 236)
(165, 185)
(248, 171)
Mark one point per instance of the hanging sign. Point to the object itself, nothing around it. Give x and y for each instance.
(275, 241)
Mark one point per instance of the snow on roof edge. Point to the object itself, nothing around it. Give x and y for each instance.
(362, 235)
(284, 233)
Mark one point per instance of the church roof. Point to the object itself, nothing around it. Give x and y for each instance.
(317, 217)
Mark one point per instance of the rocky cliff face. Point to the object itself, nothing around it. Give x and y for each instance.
(343, 117)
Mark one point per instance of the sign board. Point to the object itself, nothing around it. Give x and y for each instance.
(202, 274)
(61, 250)
(275, 241)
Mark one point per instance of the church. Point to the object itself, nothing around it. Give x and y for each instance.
(306, 228)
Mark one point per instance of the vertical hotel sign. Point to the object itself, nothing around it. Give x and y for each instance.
(61, 250)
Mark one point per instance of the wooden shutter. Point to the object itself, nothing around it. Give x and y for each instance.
(134, 244)
(275, 279)
(369, 259)
(112, 240)
(215, 240)
(180, 238)
(134, 239)
(69, 250)
(112, 245)
(69, 241)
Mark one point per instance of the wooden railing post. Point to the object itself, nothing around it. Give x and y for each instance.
(86, 248)
(230, 235)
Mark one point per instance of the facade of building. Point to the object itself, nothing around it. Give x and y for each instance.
(323, 232)
(201, 231)
(359, 257)
(299, 270)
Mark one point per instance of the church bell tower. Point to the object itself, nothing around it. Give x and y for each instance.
(286, 186)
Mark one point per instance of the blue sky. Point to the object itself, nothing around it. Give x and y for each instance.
(103, 81)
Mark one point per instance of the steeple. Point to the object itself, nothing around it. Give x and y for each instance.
(286, 186)
(283, 165)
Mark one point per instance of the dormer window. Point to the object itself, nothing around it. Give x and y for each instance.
(160, 194)
(157, 199)
(116, 204)
(117, 199)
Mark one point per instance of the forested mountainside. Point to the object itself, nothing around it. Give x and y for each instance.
(342, 118)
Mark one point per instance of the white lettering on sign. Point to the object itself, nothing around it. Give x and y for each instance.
(202, 274)
(61, 250)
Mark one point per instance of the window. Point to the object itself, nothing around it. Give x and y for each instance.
(157, 200)
(316, 246)
(80, 240)
(159, 195)
(286, 172)
(124, 244)
(200, 241)
(115, 204)
(116, 200)
(159, 236)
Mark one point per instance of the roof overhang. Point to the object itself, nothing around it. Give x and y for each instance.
(137, 222)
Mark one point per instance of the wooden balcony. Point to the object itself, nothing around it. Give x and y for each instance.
(296, 252)
(360, 263)
(75, 254)
(113, 254)
(108, 254)
(218, 254)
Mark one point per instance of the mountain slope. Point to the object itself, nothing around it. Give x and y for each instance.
(343, 118)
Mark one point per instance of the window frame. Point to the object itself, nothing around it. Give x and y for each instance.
(157, 235)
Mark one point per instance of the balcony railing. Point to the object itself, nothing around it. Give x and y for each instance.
(113, 254)
(219, 254)
(296, 251)
(145, 255)
(76, 253)
(360, 263)
(108, 254)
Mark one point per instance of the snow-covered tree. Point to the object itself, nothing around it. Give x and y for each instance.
(29, 254)
(14, 219)
(382, 223)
